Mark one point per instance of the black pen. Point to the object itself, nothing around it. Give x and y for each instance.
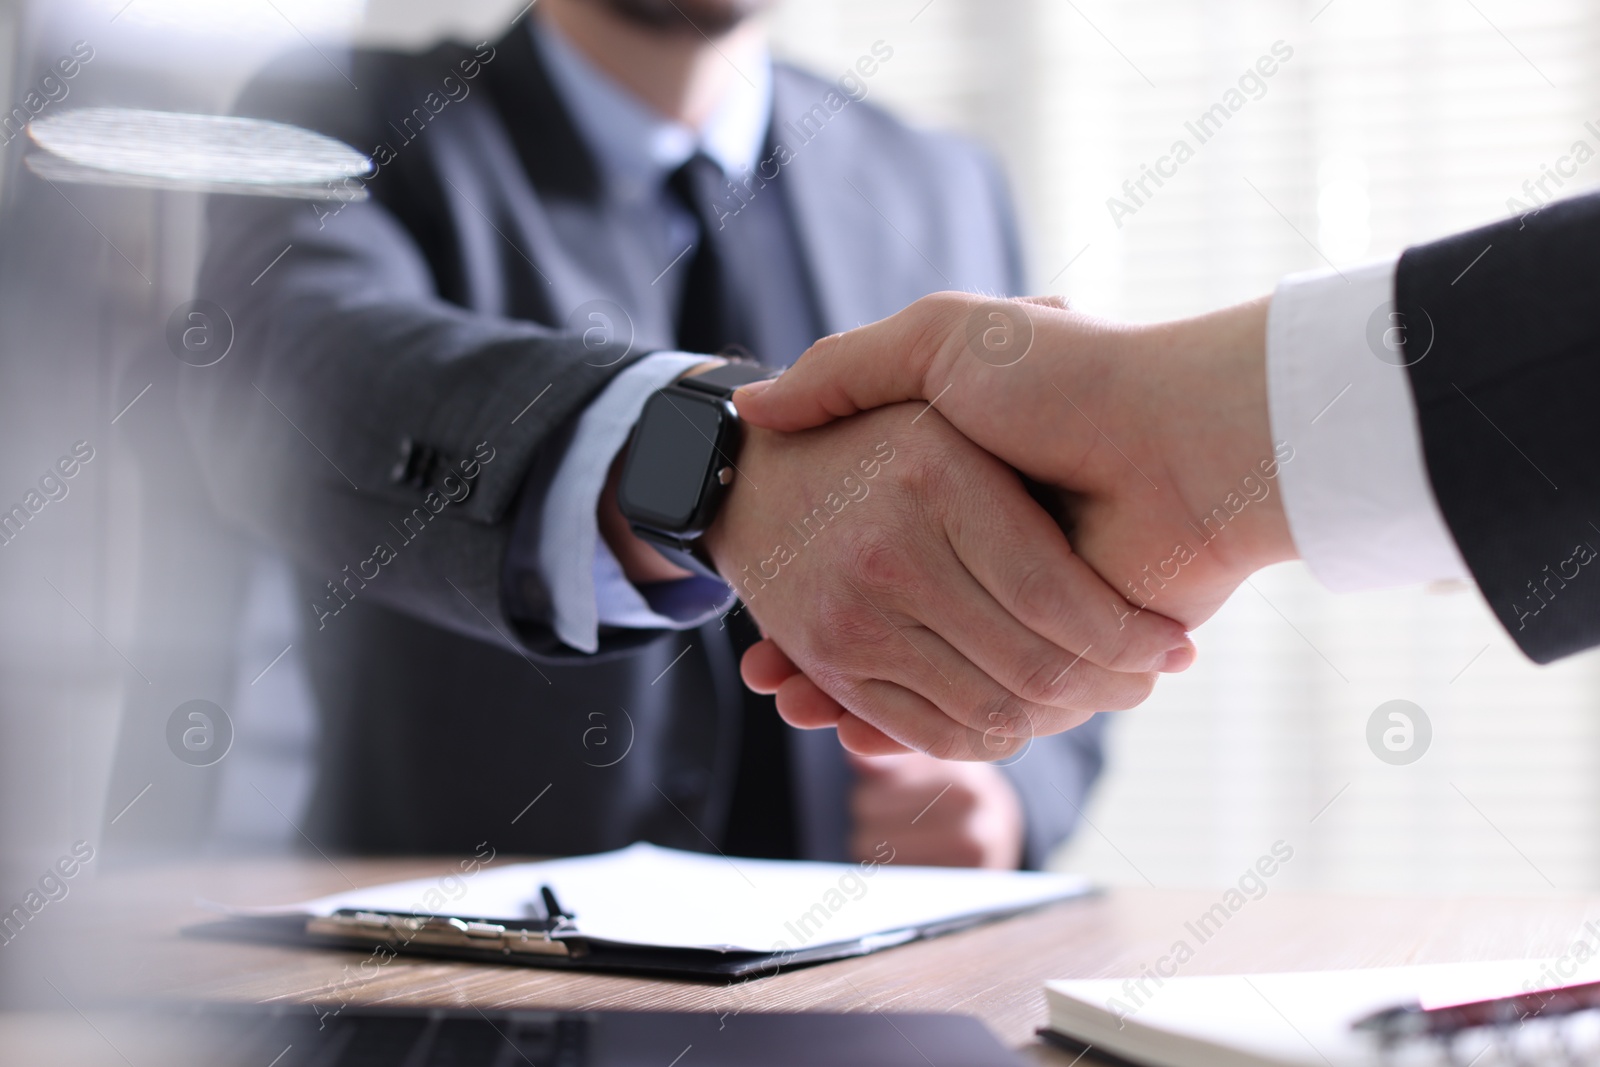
(552, 908)
(1413, 1020)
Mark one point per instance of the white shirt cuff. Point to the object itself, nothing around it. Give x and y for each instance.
(586, 583)
(1356, 493)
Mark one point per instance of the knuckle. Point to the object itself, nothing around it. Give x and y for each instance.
(878, 561)
(1077, 689)
(823, 347)
(1039, 597)
(915, 466)
(1120, 645)
(1043, 602)
(934, 320)
(1042, 684)
(942, 305)
(951, 744)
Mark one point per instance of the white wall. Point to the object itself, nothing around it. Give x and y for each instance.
(1390, 123)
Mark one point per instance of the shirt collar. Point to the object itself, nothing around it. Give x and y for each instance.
(636, 148)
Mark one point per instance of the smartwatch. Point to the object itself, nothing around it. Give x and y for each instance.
(681, 461)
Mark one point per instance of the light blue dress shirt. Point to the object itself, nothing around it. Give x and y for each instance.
(636, 152)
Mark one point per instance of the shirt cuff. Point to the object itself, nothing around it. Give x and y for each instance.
(586, 583)
(1356, 493)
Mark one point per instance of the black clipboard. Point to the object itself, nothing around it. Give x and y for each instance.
(557, 941)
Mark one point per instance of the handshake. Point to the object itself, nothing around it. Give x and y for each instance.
(978, 521)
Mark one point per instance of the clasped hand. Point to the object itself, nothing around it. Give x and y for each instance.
(914, 594)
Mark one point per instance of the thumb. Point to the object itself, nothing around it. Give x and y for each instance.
(868, 367)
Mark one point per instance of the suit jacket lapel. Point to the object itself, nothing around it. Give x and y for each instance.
(863, 230)
(553, 153)
(575, 239)
(833, 222)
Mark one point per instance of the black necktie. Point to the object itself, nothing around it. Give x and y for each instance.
(714, 317)
(714, 312)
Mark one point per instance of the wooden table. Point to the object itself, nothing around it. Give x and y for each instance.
(995, 972)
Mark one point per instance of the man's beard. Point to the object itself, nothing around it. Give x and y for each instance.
(710, 17)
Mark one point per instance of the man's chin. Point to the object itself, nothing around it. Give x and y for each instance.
(713, 18)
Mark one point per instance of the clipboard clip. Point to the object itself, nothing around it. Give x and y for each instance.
(398, 930)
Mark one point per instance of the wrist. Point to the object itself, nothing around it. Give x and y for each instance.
(641, 561)
(717, 543)
(1210, 378)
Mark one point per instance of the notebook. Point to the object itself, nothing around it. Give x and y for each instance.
(650, 909)
(1307, 1019)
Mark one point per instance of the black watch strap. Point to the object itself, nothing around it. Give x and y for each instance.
(684, 553)
(722, 381)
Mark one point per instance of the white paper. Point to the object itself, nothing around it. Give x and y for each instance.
(1286, 1020)
(644, 895)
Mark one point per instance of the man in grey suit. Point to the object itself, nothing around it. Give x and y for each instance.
(432, 387)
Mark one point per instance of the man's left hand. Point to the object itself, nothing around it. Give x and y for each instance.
(935, 813)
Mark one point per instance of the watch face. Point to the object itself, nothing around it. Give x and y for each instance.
(672, 454)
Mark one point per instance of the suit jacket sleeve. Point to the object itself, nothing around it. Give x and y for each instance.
(1503, 341)
(371, 428)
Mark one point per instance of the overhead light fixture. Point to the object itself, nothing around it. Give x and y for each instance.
(195, 153)
(271, 22)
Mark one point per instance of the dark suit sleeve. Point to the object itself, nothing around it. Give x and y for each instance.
(1054, 777)
(368, 427)
(1503, 340)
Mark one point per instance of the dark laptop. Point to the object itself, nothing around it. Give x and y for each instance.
(310, 1036)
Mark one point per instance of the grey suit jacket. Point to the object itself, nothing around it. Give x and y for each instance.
(405, 371)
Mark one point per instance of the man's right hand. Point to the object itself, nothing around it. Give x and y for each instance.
(1157, 437)
(916, 584)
